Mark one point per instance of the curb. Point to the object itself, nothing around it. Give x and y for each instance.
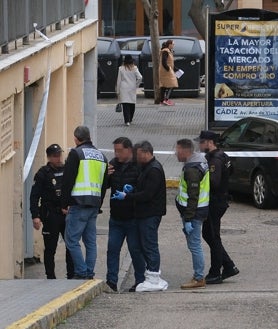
(172, 182)
(56, 311)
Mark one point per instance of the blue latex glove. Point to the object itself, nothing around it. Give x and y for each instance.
(188, 227)
(128, 188)
(118, 195)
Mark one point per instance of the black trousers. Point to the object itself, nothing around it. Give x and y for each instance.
(165, 93)
(53, 225)
(211, 234)
(128, 111)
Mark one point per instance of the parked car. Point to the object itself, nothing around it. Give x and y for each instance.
(132, 46)
(252, 144)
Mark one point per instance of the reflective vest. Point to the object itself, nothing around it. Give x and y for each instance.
(89, 179)
(203, 201)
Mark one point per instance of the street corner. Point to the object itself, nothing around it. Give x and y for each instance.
(51, 314)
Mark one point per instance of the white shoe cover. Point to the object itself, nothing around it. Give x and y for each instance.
(153, 282)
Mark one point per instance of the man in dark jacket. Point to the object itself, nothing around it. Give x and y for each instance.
(219, 167)
(45, 207)
(150, 206)
(83, 190)
(123, 174)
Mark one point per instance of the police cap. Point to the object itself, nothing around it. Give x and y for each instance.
(207, 135)
(53, 149)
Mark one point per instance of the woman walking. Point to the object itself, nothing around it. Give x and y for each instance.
(129, 79)
(167, 77)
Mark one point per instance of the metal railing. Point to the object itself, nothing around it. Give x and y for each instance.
(18, 16)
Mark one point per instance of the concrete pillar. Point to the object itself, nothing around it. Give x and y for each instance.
(90, 93)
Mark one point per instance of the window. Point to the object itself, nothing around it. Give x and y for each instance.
(270, 135)
(118, 17)
(254, 133)
(233, 135)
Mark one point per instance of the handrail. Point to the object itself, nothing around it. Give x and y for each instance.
(17, 18)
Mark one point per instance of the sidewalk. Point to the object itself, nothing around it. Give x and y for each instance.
(39, 303)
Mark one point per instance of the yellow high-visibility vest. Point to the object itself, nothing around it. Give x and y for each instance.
(90, 174)
(203, 201)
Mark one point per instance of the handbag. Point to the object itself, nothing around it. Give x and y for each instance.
(119, 107)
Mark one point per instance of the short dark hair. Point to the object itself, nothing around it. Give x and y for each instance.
(82, 133)
(145, 146)
(186, 143)
(126, 142)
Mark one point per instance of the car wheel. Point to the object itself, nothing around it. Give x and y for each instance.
(262, 195)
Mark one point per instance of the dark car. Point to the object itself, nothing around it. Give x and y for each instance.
(132, 46)
(252, 144)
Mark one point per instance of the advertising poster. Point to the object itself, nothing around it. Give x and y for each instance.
(245, 81)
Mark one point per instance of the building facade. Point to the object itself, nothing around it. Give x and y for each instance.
(126, 17)
(48, 87)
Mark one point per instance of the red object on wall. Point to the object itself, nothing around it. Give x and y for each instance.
(86, 2)
(26, 74)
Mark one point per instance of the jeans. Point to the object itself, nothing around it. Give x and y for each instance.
(211, 234)
(118, 231)
(148, 232)
(81, 223)
(194, 244)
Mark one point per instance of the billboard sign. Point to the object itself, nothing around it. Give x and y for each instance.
(243, 66)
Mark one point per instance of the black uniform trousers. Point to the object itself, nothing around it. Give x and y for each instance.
(53, 225)
(211, 234)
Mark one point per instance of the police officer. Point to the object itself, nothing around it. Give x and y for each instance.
(83, 190)
(46, 209)
(192, 203)
(220, 168)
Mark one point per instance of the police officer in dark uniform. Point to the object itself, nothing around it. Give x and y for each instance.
(45, 208)
(220, 168)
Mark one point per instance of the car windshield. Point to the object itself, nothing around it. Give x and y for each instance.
(233, 134)
(135, 45)
(182, 46)
(255, 132)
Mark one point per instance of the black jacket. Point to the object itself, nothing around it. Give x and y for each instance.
(150, 195)
(219, 170)
(46, 191)
(125, 173)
